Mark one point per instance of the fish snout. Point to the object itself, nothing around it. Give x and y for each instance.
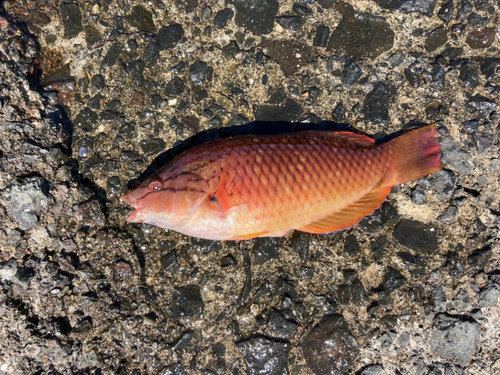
(127, 198)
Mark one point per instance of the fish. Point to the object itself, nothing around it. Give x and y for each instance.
(251, 186)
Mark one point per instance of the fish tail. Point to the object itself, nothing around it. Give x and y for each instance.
(416, 154)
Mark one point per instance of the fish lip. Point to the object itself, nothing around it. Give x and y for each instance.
(135, 216)
(129, 200)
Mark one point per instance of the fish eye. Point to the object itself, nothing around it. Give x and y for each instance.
(155, 186)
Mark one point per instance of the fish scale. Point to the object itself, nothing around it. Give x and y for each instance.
(251, 186)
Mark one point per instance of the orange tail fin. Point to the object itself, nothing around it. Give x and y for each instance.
(416, 154)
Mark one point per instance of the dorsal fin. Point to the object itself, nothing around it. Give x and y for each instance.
(359, 139)
(350, 215)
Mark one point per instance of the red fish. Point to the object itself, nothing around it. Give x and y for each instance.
(259, 186)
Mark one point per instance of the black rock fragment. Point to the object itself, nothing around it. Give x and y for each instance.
(151, 55)
(290, 111)
(169, 36)
(198, 73)
(351, 73)
(469, 75)
(222, 17)
(293, 23)
(280, 326)
(112, 55)
(416, 236)
(265, 356)
(330, 349)
(436, 39)
(425, 7)
(175, 88)
(455, 337)
(321, 36)
(393, 280)
(141, 19)
(27, 200)
(360, 35)
(376, 104)
(480, 257)
(351, 246)
(265, 249)
(71, 18)
(256, 16)
(187, 303)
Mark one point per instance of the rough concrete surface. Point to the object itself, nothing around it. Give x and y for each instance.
(96, 95)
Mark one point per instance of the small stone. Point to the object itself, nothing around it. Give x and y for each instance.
(256, 16)
(407, 258)
(152, 146)
(425, 7)
(141, 19)
(198, 73)
(264, 356)
(469, 75)
(418, 195)
(230, 50)
(437, 299)
(228, 261)
(351, 246)
(484, 141)
(372, 370)
(455, 337)
(438, 77)
(330, 349)
(27, 200)
(376, 105)
(187, 303)
(480, 257)
(93, 38)
(293, 23)
(360, 35)
(448, 214)
(90, 213)
(446, 12)
(222, 17)
(412, 78)
(280, 327)
(151, 55)
(436, 39)
(175, 88)
(169, 263)
(265, 249)
(393, 280)
(290, 54)
(86, 119)
(112, 55)
(301, 10)
(175, 369)
(71, 17)
(290, 112)
(481, 37)
(300, 244)
(123, 270)
(397, 58)
(351, 73)
(23, 276)
(489, 68)
(488, 297)
(454, 155)
(338, 114)
(206, 13)
(416, 236)
(169, 36)
(378, 247)
(481, 104)
(98, 82)
(321, 36)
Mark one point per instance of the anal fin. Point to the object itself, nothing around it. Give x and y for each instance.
(351, 214)
(249, 236)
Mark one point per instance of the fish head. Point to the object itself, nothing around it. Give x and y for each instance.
(166, 202)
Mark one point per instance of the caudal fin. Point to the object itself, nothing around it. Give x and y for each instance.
(416, 154)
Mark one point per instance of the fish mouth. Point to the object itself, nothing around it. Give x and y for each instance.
(135, 216)
(127, 198)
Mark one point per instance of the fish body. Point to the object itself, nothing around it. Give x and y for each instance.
(254, 186)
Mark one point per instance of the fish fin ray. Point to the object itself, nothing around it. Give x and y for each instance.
(358, 139)
(249, 236)
(229, 192)
(350, 215)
